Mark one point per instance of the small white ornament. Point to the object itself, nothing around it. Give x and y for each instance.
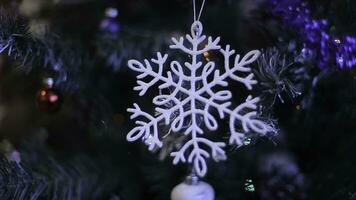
(193, 191)
(194, 97)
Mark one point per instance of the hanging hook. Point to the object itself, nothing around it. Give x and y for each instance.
(197, 29)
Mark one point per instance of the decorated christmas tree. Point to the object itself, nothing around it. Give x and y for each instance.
(178, 99)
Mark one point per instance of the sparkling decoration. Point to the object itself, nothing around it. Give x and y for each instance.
(110, 22)
(247, 141)
(194, 100)
(207, 56)
(327, 49)
(49, 100)
(249, 186)
(193, 189)
(337, 41)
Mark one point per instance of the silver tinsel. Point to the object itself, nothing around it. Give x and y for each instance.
(278, 76)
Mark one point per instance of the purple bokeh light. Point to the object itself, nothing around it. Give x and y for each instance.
(327, 50)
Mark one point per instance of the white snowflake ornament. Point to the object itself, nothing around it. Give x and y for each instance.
(194, 97)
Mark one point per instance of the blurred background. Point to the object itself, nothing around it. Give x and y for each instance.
(65, 87)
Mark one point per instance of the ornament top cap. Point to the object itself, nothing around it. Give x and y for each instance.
(192, 179)
(196, 29)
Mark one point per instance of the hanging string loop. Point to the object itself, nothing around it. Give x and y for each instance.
(197, 27)
(195, 10)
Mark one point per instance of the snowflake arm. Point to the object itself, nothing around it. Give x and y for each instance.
(195, 41)
(239, 66)
(150, 128)
(147, 70)
(144, 128)
(178, 44)
(161, 100)
(246, 120)
(198, 156)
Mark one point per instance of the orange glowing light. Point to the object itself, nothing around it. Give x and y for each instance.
(43, 93)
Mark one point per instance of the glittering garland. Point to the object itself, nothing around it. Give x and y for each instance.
(328, 50)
